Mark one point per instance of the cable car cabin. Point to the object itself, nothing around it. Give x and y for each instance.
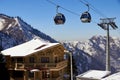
(59, 18)
(85, 17)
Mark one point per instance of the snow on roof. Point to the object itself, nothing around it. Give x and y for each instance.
(28, 48)
(94, 74)
(115, 76)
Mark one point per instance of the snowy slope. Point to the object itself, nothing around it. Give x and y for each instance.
(19, 31)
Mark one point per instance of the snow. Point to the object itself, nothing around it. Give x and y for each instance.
(2, 21)
(95, 47)
(115, 76)
(28, 48)
(94, 74)
(34, 70)
(17, 22)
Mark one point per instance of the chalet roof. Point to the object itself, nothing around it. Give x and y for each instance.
(27, 48)
(94, 74)
(115, 76)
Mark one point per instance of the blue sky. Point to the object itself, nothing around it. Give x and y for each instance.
(39, 14)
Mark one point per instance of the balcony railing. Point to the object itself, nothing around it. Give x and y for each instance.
(40, 65)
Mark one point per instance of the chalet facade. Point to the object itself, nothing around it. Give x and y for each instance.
(36, 60)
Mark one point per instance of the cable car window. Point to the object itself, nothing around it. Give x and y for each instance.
(59, 18)
(85, 17)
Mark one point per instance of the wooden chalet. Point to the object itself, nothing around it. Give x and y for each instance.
(36, 60)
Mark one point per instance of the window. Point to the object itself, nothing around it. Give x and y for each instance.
(44, 59)
(20, 60)
(31, 75)
(31, 59)
(56, 60)
(13, 60)
(45, 74)
(18, 74)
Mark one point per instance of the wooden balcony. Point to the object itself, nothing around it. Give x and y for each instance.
(39, 65)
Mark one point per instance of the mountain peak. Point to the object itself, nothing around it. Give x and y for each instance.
(20, 31)
(6, 22)
(3, 15)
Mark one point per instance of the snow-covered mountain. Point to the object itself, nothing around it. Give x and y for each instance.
(91, 54)
(14, 31)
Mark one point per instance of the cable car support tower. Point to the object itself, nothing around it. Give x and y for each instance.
(105, 24)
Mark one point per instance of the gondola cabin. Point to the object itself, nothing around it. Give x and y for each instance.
(59, 19)
(85, 17)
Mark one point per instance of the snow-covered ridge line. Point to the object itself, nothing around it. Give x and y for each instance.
(19, 31)
(91, 54)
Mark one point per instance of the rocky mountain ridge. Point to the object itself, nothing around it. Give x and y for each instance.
(19, 31)
(94, 52)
